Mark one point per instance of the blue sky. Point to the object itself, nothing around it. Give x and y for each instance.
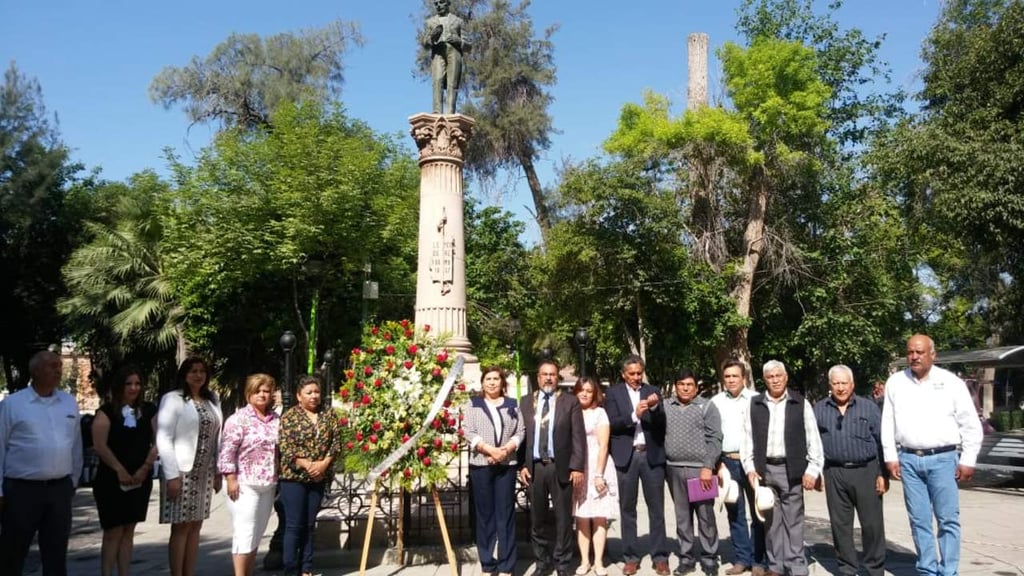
(95, 60)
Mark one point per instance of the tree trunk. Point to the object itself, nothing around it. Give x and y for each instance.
(736, 345)
(541, 212)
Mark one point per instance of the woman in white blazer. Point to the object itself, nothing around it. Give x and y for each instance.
(188, 429)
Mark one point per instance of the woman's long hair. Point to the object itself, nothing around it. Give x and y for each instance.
(117, 386)
(181, 384)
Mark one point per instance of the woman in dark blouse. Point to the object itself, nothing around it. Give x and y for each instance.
(309, 443)
(124, 432)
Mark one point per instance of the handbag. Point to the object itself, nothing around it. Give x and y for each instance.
(695, 492)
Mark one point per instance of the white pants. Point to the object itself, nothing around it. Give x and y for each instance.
(249, 516)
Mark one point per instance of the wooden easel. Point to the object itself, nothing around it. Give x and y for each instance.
(440, 520)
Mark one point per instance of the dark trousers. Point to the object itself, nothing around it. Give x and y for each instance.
(494, 498)
(652, 478)
(747, 541)
(848, 490)
(551, 528)
(707, 529)
(301, 503)
(36, 506)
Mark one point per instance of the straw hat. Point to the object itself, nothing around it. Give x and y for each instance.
(729, 489)
(764, 501)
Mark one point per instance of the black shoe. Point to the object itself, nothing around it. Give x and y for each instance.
(709, 569)
(542, 570)
(684, 569)
(565, 573)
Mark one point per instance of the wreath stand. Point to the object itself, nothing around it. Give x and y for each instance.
(401, 537)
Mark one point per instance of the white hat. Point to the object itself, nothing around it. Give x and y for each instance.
(729, 489)
(764, 501)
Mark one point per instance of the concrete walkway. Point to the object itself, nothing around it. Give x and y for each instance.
(993, 521)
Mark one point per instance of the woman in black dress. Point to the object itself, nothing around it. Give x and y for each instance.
(124, 433)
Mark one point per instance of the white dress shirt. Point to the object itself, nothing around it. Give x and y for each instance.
(634, 398)
(40, 437)
(733, 410)
(929, 413)
(776, 446)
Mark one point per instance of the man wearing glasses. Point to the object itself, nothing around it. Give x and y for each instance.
(855, 476)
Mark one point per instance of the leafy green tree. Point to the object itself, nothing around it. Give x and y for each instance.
(957, 167)
(508, 75)
(121, 303)
(38, 225)
(247, 78)
(267, 218)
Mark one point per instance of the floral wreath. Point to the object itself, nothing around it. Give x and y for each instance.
(395, 376)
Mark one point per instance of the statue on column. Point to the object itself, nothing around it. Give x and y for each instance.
(443, 38)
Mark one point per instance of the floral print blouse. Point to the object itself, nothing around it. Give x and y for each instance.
(299, 438)
(248, 447)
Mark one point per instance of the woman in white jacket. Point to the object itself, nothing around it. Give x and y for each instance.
(188, 427)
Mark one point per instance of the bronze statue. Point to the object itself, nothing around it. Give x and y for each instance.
(443, 37)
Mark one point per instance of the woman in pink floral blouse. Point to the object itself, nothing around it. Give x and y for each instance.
(248, 460)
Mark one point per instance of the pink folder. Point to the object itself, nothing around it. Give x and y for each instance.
(696, 493)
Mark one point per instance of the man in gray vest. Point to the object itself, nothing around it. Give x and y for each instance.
(782, 450)
(693, 445)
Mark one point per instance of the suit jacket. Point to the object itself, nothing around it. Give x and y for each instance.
(479, 426)
(569, 435)
(623, 429)
(177, 433)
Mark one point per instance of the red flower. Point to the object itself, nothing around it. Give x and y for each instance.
(408, 364)
(436, 423)
(426, 328)
(349, 445)
(407, 473)
(368, 370)
(447, 403)
(373, 438)
(438, 442)
(377, 383)
(408, 333)
(369, 350)
(356, 351)
(404, 323)
(387, 336)
(462, 431)
(359, 436)
(442, 357)
(344, 393)
(461, 387)
(350, 374)
(436, 372)
(426, 461)
(405, 438)
(412, 349)
(421, 451)
(374, 330)
(376, 426)
(365, 448)
(455, 446)
(343, 421)
(360, 385)
(451, 422)
(390, 350)
(366, 399)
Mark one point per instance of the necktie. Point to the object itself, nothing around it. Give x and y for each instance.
(544, 452)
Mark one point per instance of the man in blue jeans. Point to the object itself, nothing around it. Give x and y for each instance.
(928, 414)
(733, 402)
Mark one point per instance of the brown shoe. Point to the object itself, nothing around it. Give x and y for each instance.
(661, 568)
(759, 571)
(737, 569)
(630, 568)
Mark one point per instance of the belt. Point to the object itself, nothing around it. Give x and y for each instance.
(731, 455)
(49, 482)
(775, 461)
(544, 461)
(842, 464)
(927, 451)
(640, 447)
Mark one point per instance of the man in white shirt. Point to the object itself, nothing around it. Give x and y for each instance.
(928, 413)
(782, 450)
(733, 402)
(40, 460)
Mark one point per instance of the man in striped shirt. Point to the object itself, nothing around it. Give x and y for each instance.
(855, 475)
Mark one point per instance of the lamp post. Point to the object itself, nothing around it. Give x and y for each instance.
(581, 338)
(287, 343)
(370, 290)
(514, 326)
(327, 391)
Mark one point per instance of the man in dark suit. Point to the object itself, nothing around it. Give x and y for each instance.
(637, 446)
(553, 458)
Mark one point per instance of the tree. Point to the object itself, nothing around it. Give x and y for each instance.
(507, 76)
(121, 302)
(246, 78)
(956, 166)
(38, 227)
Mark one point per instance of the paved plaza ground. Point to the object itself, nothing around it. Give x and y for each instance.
(992, 513)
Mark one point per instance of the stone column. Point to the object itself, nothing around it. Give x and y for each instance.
(441, 266)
